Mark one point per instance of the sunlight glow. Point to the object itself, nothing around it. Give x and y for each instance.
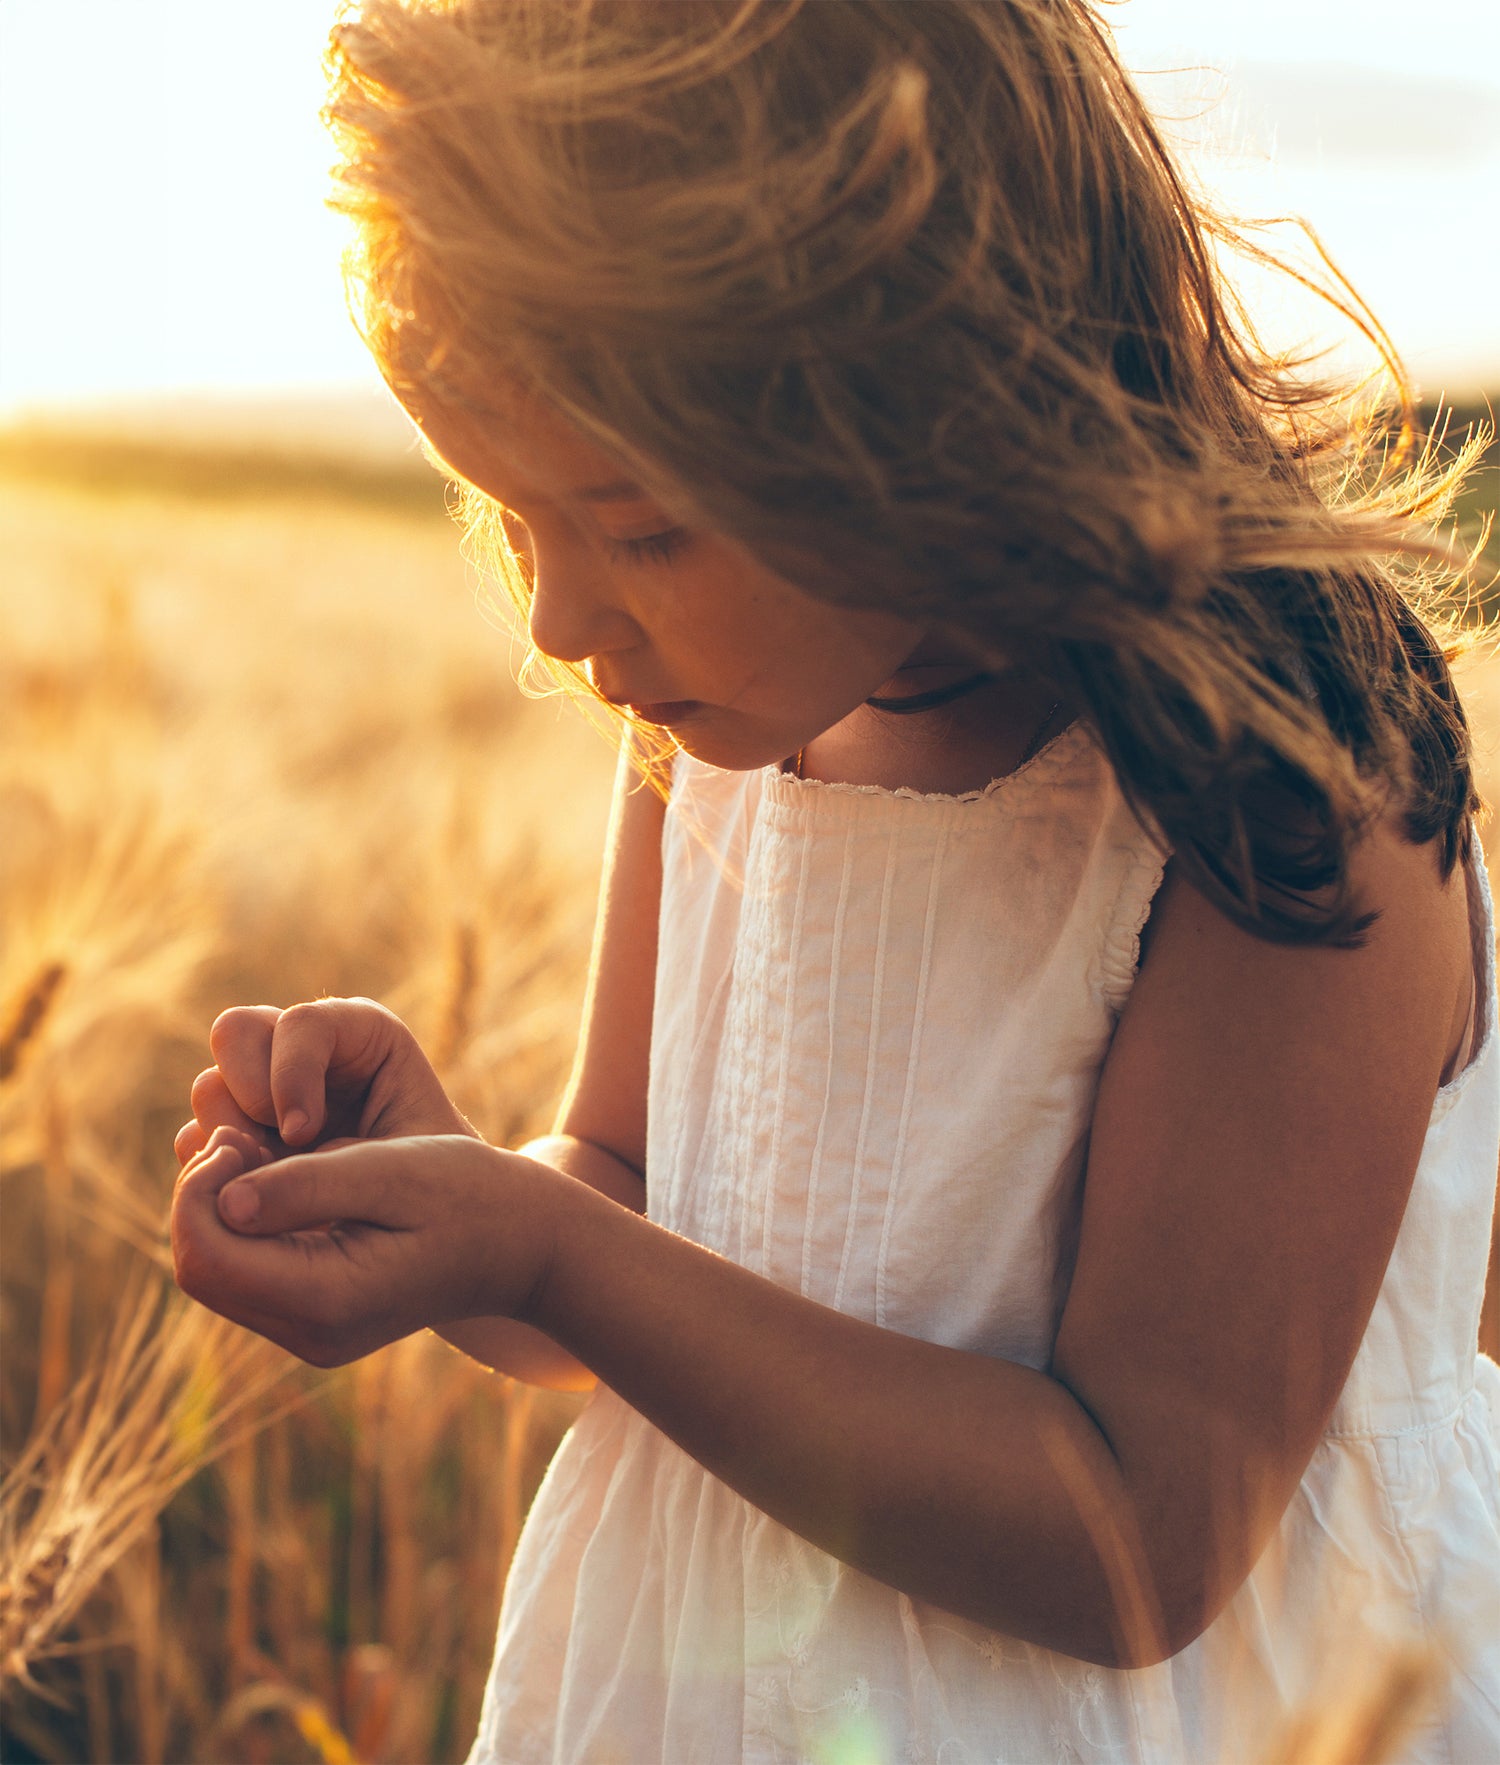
(162, 170)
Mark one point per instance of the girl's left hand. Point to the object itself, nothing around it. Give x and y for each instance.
(334, 1253)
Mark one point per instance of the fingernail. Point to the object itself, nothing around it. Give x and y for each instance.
(292, 1123)
(239, 1203)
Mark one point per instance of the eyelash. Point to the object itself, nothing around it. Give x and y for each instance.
(651, 548)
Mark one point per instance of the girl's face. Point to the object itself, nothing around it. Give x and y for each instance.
(681, 627)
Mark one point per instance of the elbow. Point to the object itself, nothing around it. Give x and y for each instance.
(1148, 1621)
(1151, 1574)
(1129, 1645)
(1131, 1653)
(1123, 1622)
(1139, 1603)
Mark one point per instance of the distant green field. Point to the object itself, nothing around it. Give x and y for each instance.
(217, 472)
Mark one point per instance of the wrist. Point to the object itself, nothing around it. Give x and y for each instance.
(571, 1214)
(531, 1207)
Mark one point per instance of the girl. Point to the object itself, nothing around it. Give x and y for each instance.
(1023, 1189)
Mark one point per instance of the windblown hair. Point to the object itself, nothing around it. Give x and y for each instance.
(912, 301)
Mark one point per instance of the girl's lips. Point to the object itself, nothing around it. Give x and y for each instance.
(673, 711)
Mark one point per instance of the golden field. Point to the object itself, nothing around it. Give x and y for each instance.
(259, 746)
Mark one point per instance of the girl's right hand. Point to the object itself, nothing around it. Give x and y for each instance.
(332, 1069)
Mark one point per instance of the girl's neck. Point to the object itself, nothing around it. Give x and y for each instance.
(958, 746)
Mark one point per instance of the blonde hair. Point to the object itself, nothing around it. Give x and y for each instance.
(913, 302)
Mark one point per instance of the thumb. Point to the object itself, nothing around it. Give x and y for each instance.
(369, 1181)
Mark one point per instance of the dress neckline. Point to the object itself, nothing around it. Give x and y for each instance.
(789, 785)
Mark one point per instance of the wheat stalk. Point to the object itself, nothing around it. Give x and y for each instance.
(307, 1714)
(164, 1397)
(27, 1016)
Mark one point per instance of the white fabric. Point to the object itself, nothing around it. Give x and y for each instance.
(880, 1021)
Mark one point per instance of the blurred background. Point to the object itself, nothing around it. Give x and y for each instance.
(162, 170)
(259, 744)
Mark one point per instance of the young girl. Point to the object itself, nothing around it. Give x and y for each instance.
(1023, 1192)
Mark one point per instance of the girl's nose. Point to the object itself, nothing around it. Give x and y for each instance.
(574, 614)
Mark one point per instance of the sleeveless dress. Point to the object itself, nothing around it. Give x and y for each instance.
(880, 1021)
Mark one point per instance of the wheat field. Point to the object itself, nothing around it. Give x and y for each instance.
(260, 746)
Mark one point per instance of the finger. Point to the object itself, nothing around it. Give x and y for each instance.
(247, 1151)
(279, 1287)
(214, 1105)
(373, 1182)
(190, 1140)
(347, 1038)
(240, 1041)
(251, 1147)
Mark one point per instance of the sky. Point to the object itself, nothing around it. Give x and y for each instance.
(162, 173)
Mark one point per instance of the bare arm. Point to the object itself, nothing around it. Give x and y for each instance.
(1258, 1125)
(599, 1137)
(505, 1345)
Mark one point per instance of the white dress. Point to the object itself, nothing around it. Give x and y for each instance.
(879, 1025)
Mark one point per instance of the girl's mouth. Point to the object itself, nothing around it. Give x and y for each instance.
(671, 712)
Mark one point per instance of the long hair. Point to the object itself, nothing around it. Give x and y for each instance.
(912, 301)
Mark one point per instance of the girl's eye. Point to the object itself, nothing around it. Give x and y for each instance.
(650, 548)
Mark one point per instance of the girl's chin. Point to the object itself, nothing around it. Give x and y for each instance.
(729, 740)
(721, 749)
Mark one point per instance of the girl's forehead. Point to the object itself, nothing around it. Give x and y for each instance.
(516, 448)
